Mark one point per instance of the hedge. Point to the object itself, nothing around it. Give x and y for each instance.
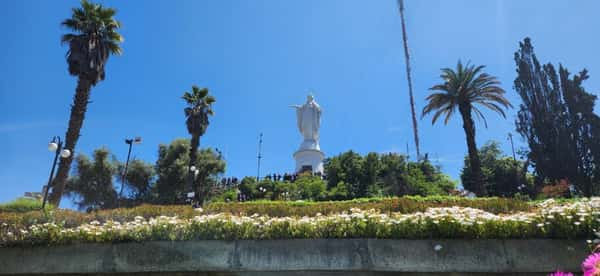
(549, 219)
(23, 205)
(407, 204)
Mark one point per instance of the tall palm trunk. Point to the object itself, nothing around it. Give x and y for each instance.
(80, 102)
(409, 79)
(194, 143)
(469, 127)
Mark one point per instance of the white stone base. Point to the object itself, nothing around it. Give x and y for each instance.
(309, 157)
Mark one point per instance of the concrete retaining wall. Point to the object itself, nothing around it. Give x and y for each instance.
(300, 257)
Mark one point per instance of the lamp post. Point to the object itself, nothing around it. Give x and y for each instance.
(130, 142)
(55, 146)
(259, 157)
(195, 193)
(512, 145)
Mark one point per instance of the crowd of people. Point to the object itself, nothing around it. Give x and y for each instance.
(234, 182)
(230, 182)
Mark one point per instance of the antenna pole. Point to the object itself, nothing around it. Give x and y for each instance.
(259, 157)
(512, 146)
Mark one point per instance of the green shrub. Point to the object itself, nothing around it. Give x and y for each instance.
(408, 204)
(22, 205)
(339, 192)
(311, 187)
(227, 196)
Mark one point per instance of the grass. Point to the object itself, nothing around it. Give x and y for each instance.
(21, 205)
(407, 204)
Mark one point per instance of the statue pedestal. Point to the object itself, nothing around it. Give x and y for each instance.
(309, 160)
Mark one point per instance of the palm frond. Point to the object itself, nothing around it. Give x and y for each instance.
(494, 107)
(465, 85)
(480, 115)
(199, 108)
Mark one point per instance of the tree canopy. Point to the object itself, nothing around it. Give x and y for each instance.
(384, 174)
(92, 184)
(172, 167)
(502, 175)
(557, 120)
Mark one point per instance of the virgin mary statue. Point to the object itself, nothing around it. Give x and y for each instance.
(308, 118)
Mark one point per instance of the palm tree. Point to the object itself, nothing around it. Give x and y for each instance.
(462, 89)
(196, 113)
(93, 40)
(409, 79)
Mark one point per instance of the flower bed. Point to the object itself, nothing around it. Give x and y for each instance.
(551, 220)
(407, 204)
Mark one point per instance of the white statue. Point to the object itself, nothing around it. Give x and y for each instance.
(309, 157)
(308, 116)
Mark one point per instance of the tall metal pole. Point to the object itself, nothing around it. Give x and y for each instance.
(259, 157)
(409, 80)
(512, 146)
(52, 172)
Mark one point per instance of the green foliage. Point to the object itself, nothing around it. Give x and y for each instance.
(91, 186)
(226, 196)
(347, 167)
(407, 204)
(502, 175)
(23, 205)
(380, 175)
(139, 180)
(339, 192)
(198, 109)
(248, 187)
(557, 120)
(467, 88)
(172, 170)
(566, 220)
(311, 187)
(306, 187)
(424, 179)
(92, 181)
(95, 37)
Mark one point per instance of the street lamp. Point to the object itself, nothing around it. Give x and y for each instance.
(130, 142)
(55, 146)
(194, 195)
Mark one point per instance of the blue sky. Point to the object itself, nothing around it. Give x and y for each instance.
(257, 58)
